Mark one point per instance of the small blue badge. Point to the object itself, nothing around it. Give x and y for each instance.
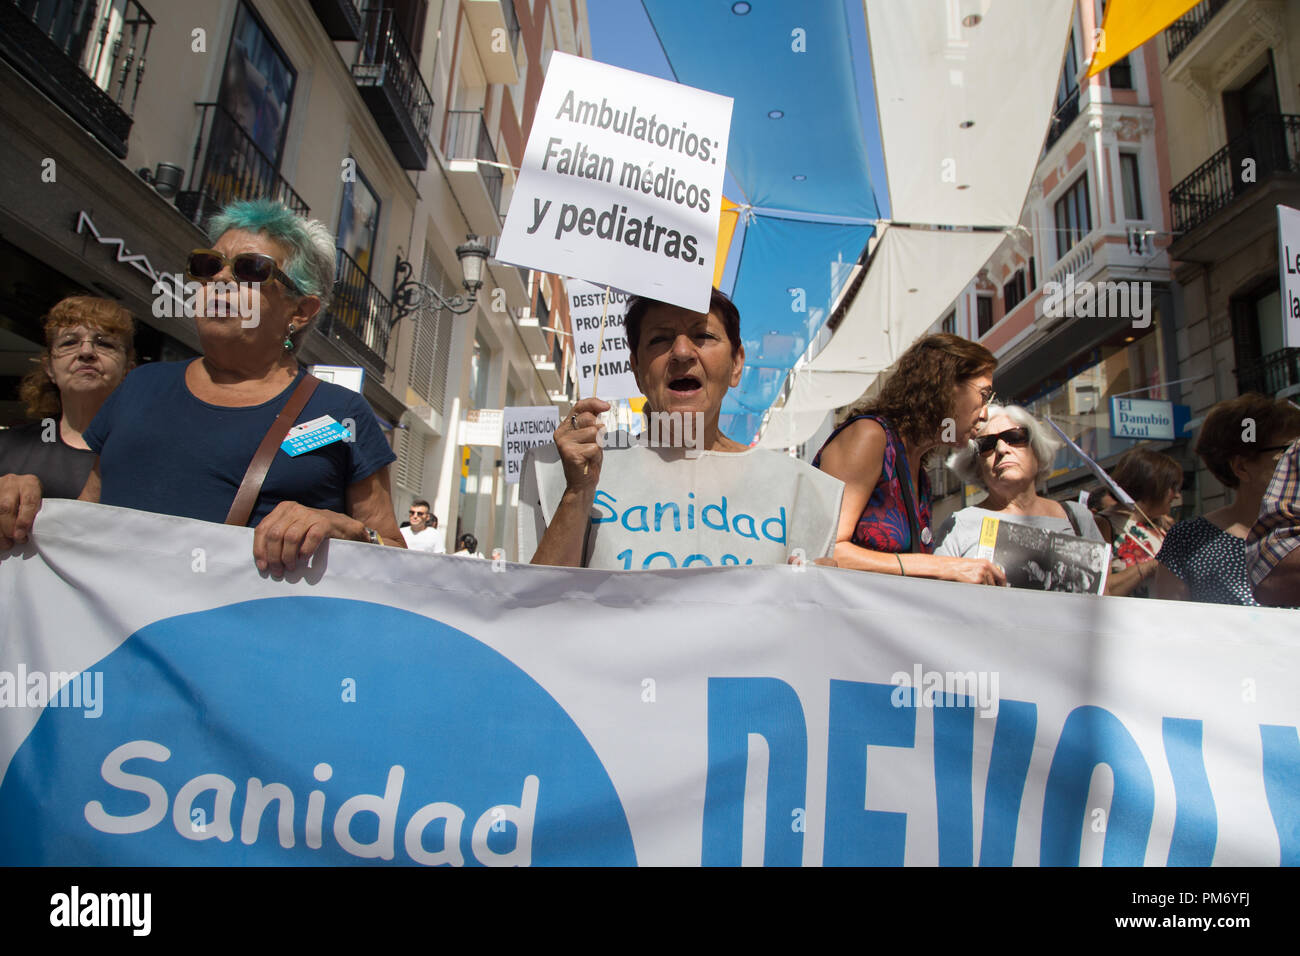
(312, 435)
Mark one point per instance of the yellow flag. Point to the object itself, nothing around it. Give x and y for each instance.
(1129, 24)
(729, 215)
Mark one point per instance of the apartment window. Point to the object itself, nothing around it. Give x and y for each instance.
(1128, 172)
(1067, 85)
(1121, 75)
(983, 314)
(950, 322)
(257, 84)
(358, 219)
(1033, 275)
(1073, 217)
(1013, 292)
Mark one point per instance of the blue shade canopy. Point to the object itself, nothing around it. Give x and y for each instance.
(789, 273)
(799, 156)
(753, 58)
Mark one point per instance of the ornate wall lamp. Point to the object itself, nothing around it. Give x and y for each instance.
(411, 296)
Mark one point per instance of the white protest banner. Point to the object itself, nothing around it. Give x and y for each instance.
(621, 182)
(526, 427)
(587, 309)
(1288, 245)
(481, 426)
(164, 704)
(1122, 496)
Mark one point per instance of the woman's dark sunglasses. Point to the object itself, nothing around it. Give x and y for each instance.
(207, 264)
(1012, 436)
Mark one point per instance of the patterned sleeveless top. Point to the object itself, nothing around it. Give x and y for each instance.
(883, 524)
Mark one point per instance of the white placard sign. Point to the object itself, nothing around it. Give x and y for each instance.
(621, 182)
(526, 427)
(349, 376)
(1122, 496)
(481, 426)
(587, 307)
(1288, 245)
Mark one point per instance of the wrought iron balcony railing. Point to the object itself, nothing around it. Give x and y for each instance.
(360, 316)
(1271, 374)
(227, 165)
(1183, 31)
(1064, 115)
(1272, 144)
(468, 138)
(86, 55)
(340, 18)
(388, 75)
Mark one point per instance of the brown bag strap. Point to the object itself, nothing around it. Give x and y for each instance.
(242, 507)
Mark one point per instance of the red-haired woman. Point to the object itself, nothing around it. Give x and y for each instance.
(88, 350)
(937, 396)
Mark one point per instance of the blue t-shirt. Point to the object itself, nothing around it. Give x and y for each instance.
(163, 450)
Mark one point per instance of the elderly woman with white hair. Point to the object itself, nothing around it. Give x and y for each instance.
(205, 438)
(1011, 455)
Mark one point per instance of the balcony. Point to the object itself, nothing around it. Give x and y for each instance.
(1064, 115)
(340, 18)
(227, 165)
(1271, 140)
(360, 317)
(1183, 31)
(531, 330)
(471, 166)
(1276, 374)
(388, 75)
(494, 27)
(549, 372)
(88, 57)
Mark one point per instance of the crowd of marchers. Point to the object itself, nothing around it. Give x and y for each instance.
(204, 439)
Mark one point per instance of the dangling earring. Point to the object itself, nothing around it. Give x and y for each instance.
(288, 342)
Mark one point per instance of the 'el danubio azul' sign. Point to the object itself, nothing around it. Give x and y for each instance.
(1141, 418)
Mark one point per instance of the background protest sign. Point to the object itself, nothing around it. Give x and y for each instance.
(480, 426)
(621, 182)
(1122, 496)
(366, 710)
(587, 306)
(526, 427)
(1288, 245)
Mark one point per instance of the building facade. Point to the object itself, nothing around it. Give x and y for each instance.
(1231, 72)
(398, 123)
(1078, 303)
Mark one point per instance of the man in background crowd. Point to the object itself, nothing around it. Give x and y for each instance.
(422, 535)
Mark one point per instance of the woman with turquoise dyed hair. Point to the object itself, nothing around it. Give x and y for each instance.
(178, 438)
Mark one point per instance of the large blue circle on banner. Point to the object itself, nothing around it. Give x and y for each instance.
(309, 731)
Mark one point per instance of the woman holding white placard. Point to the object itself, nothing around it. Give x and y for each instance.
(682, 494)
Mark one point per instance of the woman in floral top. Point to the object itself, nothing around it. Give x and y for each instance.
(1153, 480)
(937, 396)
